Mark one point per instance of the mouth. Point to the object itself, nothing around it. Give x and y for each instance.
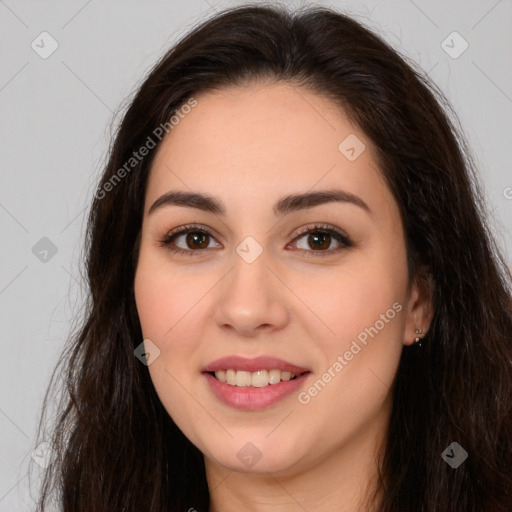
(257, 379)
(253, 384)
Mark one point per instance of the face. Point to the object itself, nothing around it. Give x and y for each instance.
(279, 285)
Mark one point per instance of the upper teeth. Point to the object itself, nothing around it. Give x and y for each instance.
(257, 379)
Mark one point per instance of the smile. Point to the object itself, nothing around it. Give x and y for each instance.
(254, 397)
(257, 379)
(253, 383)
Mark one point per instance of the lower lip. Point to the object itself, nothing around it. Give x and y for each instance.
(252, 398)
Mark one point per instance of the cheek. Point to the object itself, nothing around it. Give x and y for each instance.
(359, 296)
(167, 305)
(168, 308)
(364, 310)
(166, 298)
(150, 297)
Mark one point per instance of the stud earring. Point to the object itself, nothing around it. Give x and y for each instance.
(417, 340)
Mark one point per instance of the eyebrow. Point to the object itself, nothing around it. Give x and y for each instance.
(287, 204)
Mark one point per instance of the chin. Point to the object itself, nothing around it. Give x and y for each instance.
(257, 458)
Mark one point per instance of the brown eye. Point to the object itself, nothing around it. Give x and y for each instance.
(319, 241)
(320, 238)
(189, 240)
(196, 240)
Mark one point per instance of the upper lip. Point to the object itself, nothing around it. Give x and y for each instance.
(253, 365)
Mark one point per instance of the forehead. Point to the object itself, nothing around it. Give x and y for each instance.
(262, 140)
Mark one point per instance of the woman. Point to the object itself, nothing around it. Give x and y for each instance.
(224, 363)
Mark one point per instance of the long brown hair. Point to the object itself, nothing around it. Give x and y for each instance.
(115, 446)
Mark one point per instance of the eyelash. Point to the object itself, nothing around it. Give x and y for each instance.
(317, 228)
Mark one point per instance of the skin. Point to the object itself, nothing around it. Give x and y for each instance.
(248, 147)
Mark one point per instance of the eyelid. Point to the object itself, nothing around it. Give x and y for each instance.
(333, 231)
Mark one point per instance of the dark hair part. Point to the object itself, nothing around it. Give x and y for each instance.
(116, 447)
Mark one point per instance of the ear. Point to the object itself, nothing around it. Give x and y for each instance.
(419, 307)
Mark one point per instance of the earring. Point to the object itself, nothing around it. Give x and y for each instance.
(417, 340)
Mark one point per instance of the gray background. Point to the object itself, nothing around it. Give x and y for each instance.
(56, 116)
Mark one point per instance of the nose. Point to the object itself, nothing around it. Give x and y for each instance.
(252, 299)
